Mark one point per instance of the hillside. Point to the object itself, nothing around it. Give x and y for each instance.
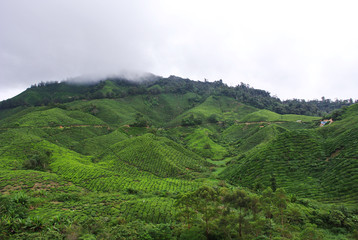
(319, 163)
(118, 87)
(171, 158)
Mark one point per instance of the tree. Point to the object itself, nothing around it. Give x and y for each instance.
(280, 201)
(186, 204)
(273, 182)
(203, 202)
(254, 206)
(266, 201)
(206, 200)
(191, 121)
(311, 233)
(239, 200)
(140, 121)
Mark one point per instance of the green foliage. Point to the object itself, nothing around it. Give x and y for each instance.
(140, 121)
(87, 166)
(213, 118)
(268, 116)
(194, 233)
(54, 93)
(15, 206)
(98, 143)
(200, 141)
(191, 121)
(311, 233)
(38, 161)
(156, 155)
(53, 117)
(305, 162)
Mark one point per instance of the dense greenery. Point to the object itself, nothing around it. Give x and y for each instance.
(54, 92)
(171, 158)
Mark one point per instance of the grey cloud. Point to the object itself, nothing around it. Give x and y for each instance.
(270, 46)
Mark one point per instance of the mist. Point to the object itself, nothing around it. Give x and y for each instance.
(302, 50)
(134, 76)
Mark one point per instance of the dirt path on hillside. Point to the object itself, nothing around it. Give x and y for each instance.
(249, 123)
(57, 126)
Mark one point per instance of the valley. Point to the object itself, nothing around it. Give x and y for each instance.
(175, 159)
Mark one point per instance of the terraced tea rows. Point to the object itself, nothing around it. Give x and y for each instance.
(318, 163)
(156, 210)
(98, 179)
(156, 155)
(117, 206)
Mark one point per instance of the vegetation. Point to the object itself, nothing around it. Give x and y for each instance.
(171, 158)
(53, 93)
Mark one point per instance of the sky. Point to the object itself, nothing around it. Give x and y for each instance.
(293, 49)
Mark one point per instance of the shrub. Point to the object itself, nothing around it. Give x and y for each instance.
(212, 118)
(191, 121)
(38, 161)
(64, 197)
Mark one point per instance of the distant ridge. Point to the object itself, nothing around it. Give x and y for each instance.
(87, 88)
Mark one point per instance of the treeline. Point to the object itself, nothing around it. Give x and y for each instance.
(55, 92)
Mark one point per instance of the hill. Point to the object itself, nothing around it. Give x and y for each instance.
(171, 158)
(157, 155)
(117, 87)
(317, 163)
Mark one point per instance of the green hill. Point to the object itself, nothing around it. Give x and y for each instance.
(172, 158)
(156, 155)
(268, 116)
(50, 117)
(98, 144)
(200, 142)
(318, 163)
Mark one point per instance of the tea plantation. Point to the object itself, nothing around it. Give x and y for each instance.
(171, 158)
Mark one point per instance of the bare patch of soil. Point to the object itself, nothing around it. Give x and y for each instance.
(333, 155)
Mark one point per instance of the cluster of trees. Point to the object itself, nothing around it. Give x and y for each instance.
(38, 161)
(191, 121)
(221, 213)
(140, 121)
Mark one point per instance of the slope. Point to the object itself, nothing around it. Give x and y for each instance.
(200, 142)
(157, 155)
(224, 108)
(319, 163)
(157, 109)
(47, 117)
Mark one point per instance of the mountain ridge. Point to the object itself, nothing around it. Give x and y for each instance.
(117, 87)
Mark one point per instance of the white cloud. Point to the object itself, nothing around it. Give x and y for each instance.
(295, 49)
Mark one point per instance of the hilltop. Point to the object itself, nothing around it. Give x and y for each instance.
(118, 87)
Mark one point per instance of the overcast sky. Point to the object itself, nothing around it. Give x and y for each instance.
(293, 49)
